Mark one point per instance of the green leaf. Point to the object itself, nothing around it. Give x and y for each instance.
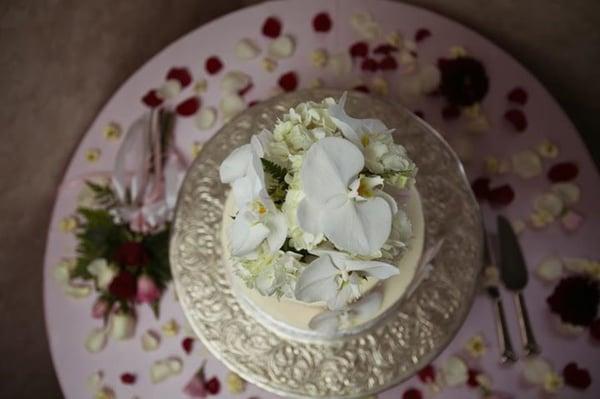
(103, 194)
(277, 172)
(277, 191)
(158, 268)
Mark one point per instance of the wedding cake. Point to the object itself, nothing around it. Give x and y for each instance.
(323, 229)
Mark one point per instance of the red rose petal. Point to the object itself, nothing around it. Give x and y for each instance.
(427, 374)
(595, 330)
(213, 65)
(422, 34)
(128, 378)
(361, 88)
(123, 286)
(563, 171)
(288, 81)
(481, 188)
(501, 196)
(385, 49)
(151, 99)
(271, 28)
(450, 112)
(388, 63)
(188, 107)
(517, 118)
(412, 393)
(322, 22)
(242, 92)
(187, 344)
(359, 49)
(517, 95)
(369, 64)
(576, 377)
(180, 74)
(472, 381)
(253, 103)
(420, 114)
(213, 386)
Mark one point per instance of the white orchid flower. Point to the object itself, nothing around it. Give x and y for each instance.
(349, 209)
(330, 322)
(333, 278)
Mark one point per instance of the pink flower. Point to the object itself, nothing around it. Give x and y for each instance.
(147, 291)
(195, 387)
(100, 309)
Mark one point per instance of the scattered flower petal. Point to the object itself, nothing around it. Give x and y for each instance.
(68, 224)
(170, 89)
(576, 377)
(182, 75)
(517, 95)
(165, 368)
(93, 154)
(473, 381)
(535, 370)
(206, 118)
(96, 340)
(380, 86)
(369, 64)
(388, 63)
(340, 64)
(562, 172)
(235, 383)
(315, 83)
(128, 378)
(412, 393)
(547, 149)
(517, 119)
(200, 86)
(455, 371)
(151, 99)
(476, 346)
(553, 382)
(246, 49)
(213, 65)
(231, 105)
(501, 196)
(365, 26)
(78, 290)
(550, 269)
(527, 164)
(318, 58)
(385, 49)
(122, 325)
(187, 344)
(112, 131)
(213, 386)
(569, 193)
(170, 328)
(271, 27)
(188, 107)
(269, 64)
(359, 49)
(427, 374)
(288, 81)
(282, 47)
(105, 393)
(571, 220)
(422, 34)
(550, 203)
(395, 39)
(235, 82)
(322, 22)
(518, 226)
(150, 340)
(94, 381)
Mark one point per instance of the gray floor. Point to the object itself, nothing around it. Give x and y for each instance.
(61, 60)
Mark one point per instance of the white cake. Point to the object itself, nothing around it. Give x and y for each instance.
(323, 229)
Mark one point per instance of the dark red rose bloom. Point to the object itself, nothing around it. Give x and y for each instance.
(131, 253)
(322, 22)
(464, 80)
(123, 286)
(576, 377)
(575, 299)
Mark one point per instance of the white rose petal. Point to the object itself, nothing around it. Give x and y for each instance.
(160, 371)
(365, 26)
(122, 326)
(171, 88)
(96, 340)
(340, 64)
(567, 329)
(231, 105)
(282, 47)
(527, 164)
(175, 365)
(535, 370)
(150, 340)
(246, 49)
(94, 381)
(205, 118)
(234, 81)
(548, 202)
(455, 371)
(550, 269)
(569, 193)
(78, 290)
(429, 76)
(571, 220)
(103, 272)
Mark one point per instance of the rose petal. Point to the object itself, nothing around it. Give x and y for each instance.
(517, 95)
(288, 81)
(361, 88)
(427, 374)
(246, 49)
(472, 381)
(322, 22)
(206, 118)
(517, 118)
(151, 99)
(527, 164)
(577, 377)
(455, 371)
(412, 393)
(550, 269)
(213, 386)
(231, 105)
(550, 203)
(388, 63)
(128, 378)
(385, 49)
(182, 75)
(562, 172)
(369, 64)
(569, 193)
(481, 188)
(535, 369)
(150, 340)
(282, 47)
(571, 220)
(188, 107)
(271, 27)
(213, 65)
(188, 345)
(359, 49)
(501, 196)
(422, 34)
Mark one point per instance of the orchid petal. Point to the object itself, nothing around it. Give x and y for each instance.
(260, 142)
(309, 217)
(277, 225)
(236, 164)
(389, 199)
(380, 270)
(317, 281)
(242, 191)
(328, 167)
(359, 227)
(246, 235)
(353, 129)
(325, 322)
(341, 298)
(367, 306)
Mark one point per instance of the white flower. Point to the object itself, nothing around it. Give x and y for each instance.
(334, 278)
(271, 272)
(103, 272)
(354, 219)
(399, 236)
(299, 238)
(330, 321)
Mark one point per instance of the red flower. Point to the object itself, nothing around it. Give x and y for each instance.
(151, 99)
(271, 28)
(131, 253)
(563, 171)
(359, 49)
(517, 118)
(180, 74)
(213, 386)
(576, 377)
(464, 80)
(128, 378)
(422, 34)
(213, 65)
(123, 286)
(575, 299)
(187, 344)
(288, 81)
(472, 381)
(322, 22)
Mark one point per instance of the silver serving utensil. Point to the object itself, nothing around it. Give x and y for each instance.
(514, 276)
(507, 353)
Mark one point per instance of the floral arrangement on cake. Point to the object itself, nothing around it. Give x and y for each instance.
(313, 217)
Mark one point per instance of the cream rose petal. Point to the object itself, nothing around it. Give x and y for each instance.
(205, 118)
(246, 49)
(282, 47)
(568, 192)
(234, 81)
(527, 164)
(230, 105)
(455, 371)
(535, 370)
(550, 269)
(96, 340)
(122, 326)
(150, 340)
(548, 202)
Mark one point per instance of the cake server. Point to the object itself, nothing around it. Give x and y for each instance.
(507, 353)
(514, 276)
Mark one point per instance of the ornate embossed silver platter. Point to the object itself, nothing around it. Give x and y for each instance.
(371, 360)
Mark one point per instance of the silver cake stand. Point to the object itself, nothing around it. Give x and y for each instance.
(411, 334)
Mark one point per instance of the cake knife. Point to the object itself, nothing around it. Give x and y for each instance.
(514, 276)
(507, 353)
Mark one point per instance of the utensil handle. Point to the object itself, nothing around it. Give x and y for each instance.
(507, 353)
(530, 345)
